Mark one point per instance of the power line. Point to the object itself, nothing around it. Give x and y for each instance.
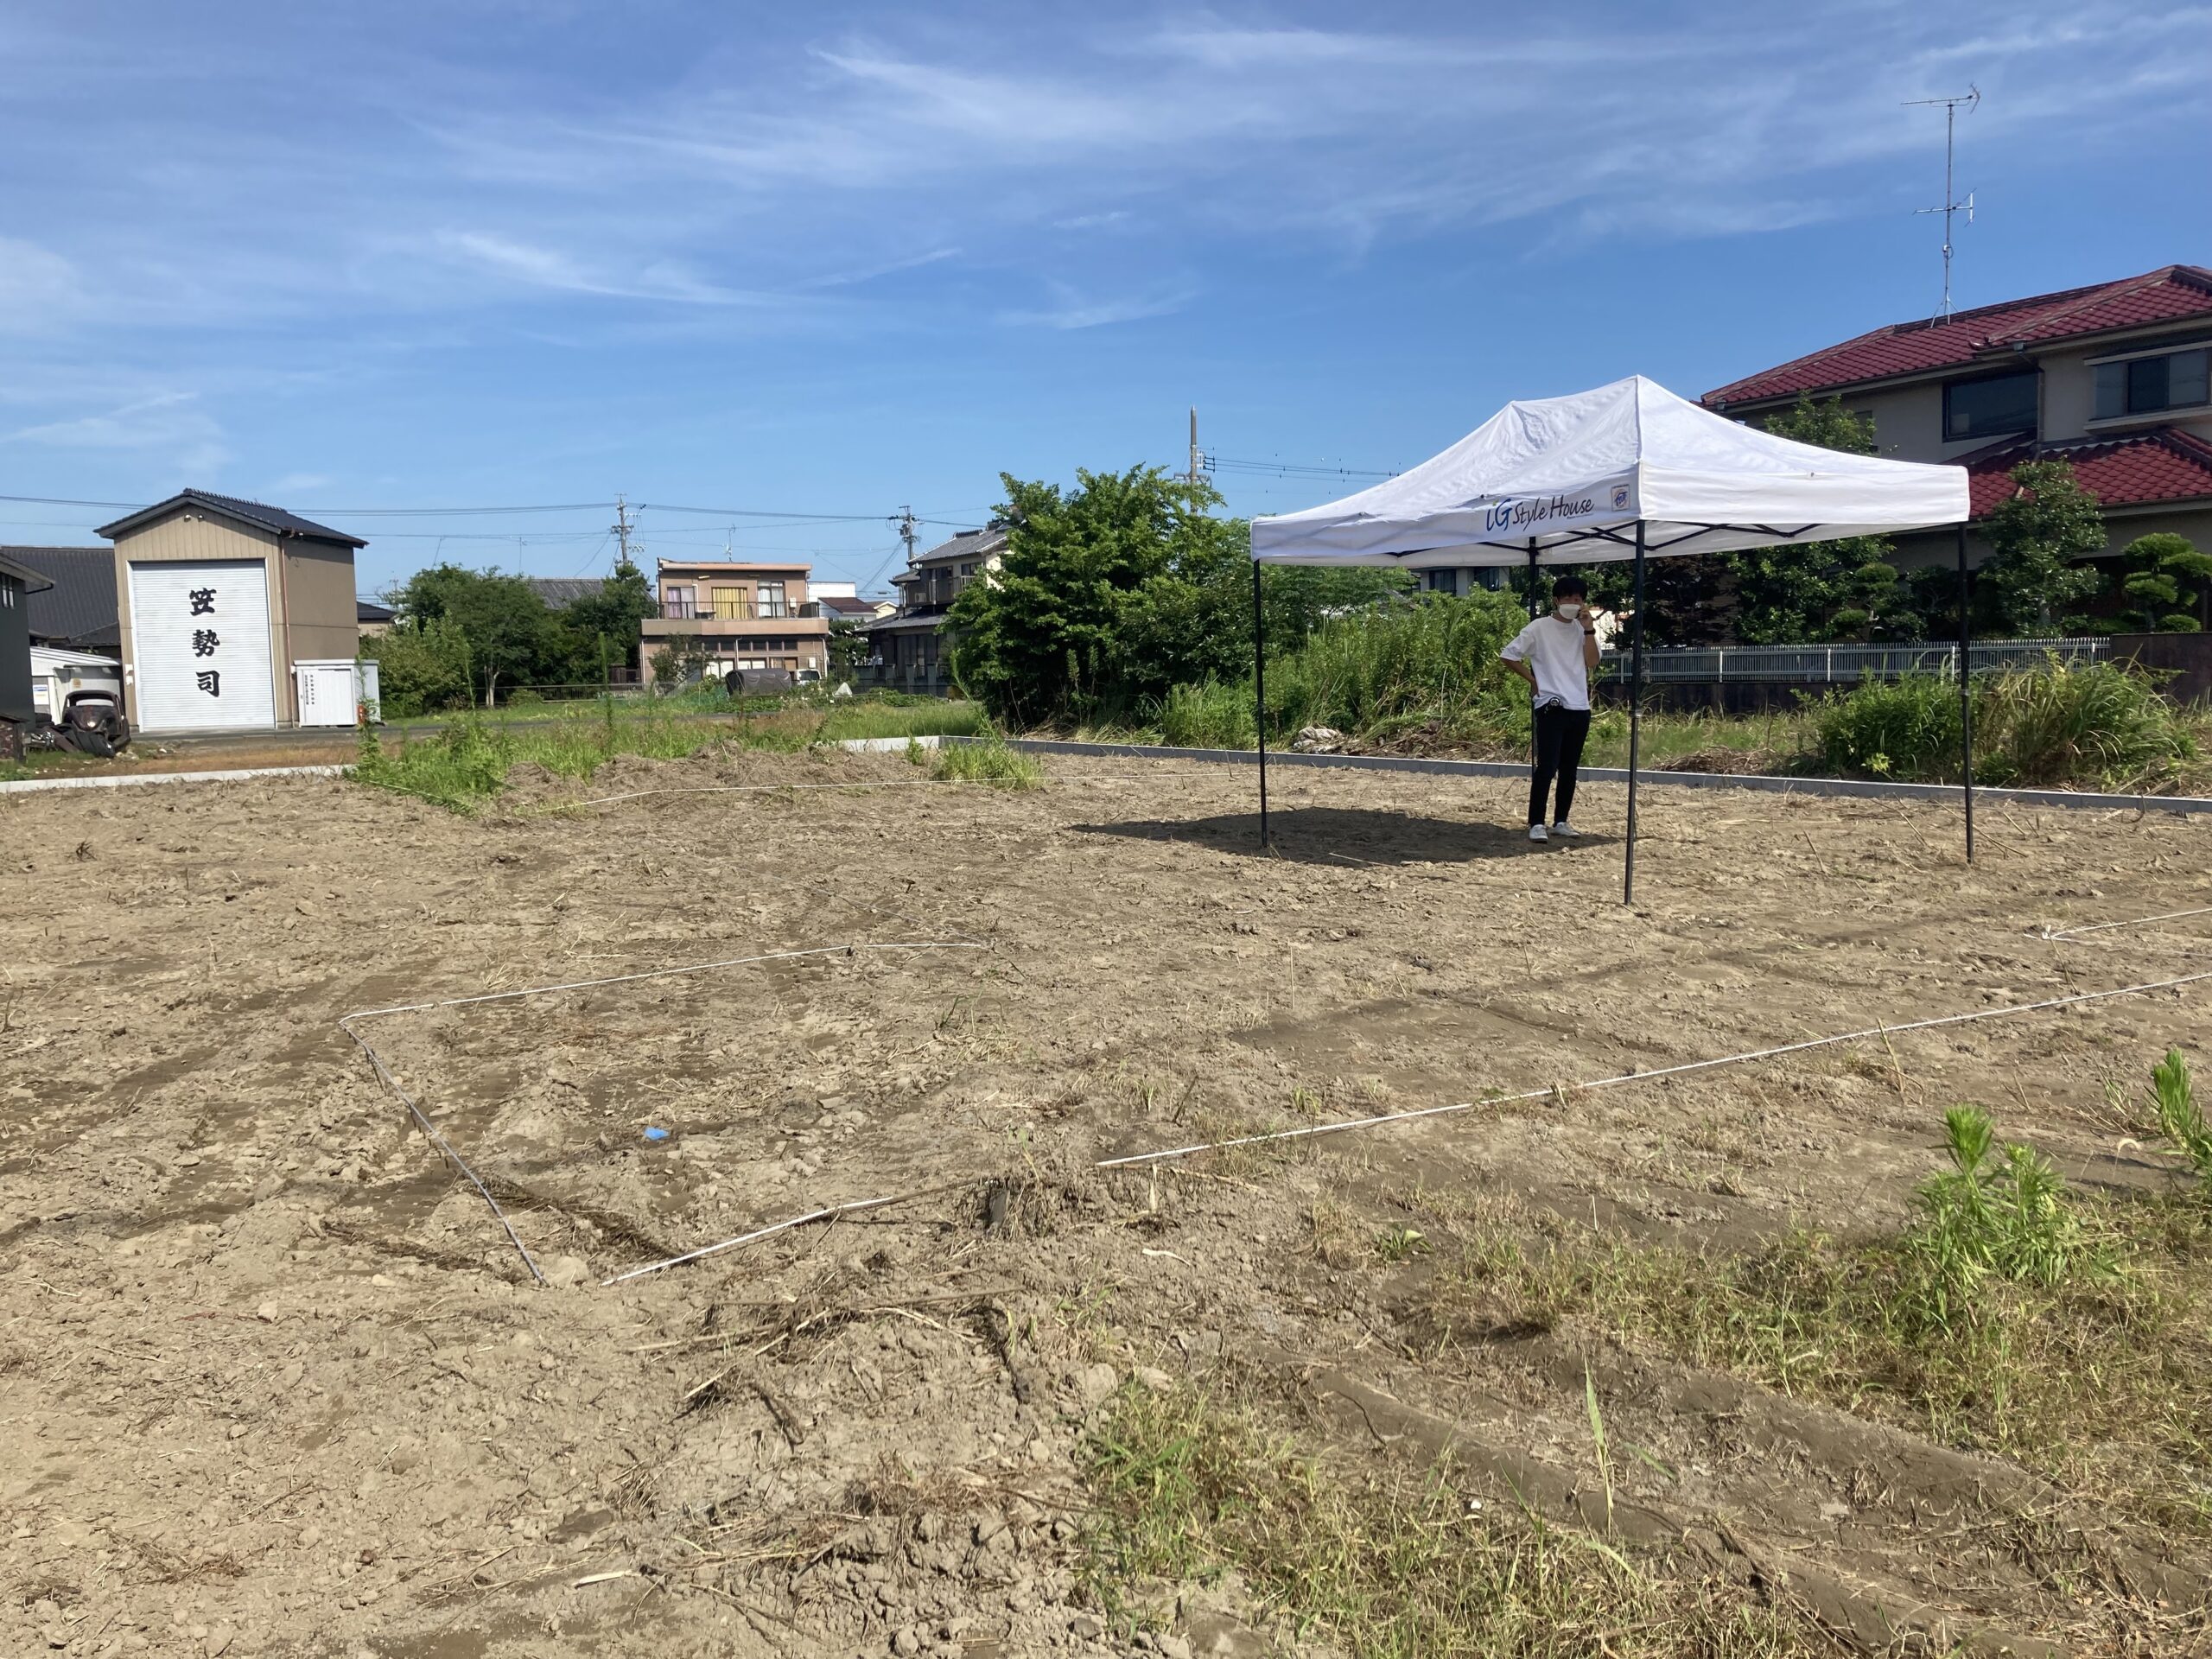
(1288, 468)
(755, 512)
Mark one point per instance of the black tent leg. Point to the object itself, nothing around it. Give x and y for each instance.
(1635, 718)
(1533, 613)
(1260, 696)
(1966, 688)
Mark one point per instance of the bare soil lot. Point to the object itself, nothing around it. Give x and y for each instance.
(273, 1381)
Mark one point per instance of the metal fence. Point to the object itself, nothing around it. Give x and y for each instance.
(1844, 664)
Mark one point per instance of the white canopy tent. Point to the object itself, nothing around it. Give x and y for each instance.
(1627, 471)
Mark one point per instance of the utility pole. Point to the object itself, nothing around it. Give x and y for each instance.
(1951, 203)
(905, 520)
(1197, 455)
(622, 525)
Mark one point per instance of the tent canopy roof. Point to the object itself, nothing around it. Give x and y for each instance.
(1573, 476)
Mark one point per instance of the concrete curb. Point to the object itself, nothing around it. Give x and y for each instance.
(1834, 786)
(127, 779)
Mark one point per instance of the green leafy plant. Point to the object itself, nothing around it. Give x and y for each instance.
(1998, 1212)
(2181, 1120)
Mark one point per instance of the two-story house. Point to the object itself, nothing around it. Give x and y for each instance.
(909, 652)
(2112, 377)
(756, 616)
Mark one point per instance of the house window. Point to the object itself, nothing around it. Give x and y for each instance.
(968, 568)
(772, 598)
(2144, 385)
(1989, 409)
(729, 604)
(678, 603)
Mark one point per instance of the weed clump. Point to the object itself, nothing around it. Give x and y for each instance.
(989, 761)
(2072, 1334)
(1398, 1563)
(2002, 1212)
(2181, 1120)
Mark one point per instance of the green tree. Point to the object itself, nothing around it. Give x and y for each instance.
(509, 634)
(1847, 589)
(1072, 624)
(2170, 582)
(624, 600)
(849, 648)
(423, 668)
(2037, 535)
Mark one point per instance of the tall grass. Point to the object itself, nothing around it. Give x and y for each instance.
(2055, 724)
(467, 761)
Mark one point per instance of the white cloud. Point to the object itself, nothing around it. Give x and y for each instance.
(1072, 309)
(39, 288)
(170, 421)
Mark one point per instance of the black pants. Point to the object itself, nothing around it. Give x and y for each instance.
(1560, 733)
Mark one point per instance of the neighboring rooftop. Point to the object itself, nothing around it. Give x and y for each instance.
(967, 545)
(561, 592)
(846, 605)
(367, 610)
(2176, 294)
(78, 609)
(2142, 469)
(257, 513)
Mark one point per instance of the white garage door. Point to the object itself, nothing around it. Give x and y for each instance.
(199, 642)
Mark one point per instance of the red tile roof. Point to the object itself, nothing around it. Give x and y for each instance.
(2177, 294)
(2160, 465)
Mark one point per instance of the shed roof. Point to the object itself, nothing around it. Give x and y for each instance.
(257, 513)
(1986, 334)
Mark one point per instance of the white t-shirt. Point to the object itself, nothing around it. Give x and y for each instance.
(1554, 649)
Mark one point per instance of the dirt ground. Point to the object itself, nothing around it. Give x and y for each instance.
(274, 1382)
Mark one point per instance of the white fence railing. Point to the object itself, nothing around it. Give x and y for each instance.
(1844, 664)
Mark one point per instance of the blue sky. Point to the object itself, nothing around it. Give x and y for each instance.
(836, 258)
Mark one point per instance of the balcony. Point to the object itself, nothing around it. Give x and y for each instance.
(727, 610)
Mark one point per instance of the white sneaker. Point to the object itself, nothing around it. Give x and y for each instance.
(1536, 833)
(1563, 828)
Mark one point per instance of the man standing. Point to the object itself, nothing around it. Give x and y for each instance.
(1555, 654)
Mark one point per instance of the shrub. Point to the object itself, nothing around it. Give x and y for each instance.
(422, 668)
(1903, 729)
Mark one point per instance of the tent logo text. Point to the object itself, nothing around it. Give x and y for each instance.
(1511, 514)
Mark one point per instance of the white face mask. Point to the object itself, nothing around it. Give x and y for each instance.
(1570, 609)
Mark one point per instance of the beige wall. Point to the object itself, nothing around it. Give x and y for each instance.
(311, 612)
(2122, 525)
(325, 624)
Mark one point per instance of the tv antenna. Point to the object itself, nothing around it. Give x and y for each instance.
(1952, 205)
